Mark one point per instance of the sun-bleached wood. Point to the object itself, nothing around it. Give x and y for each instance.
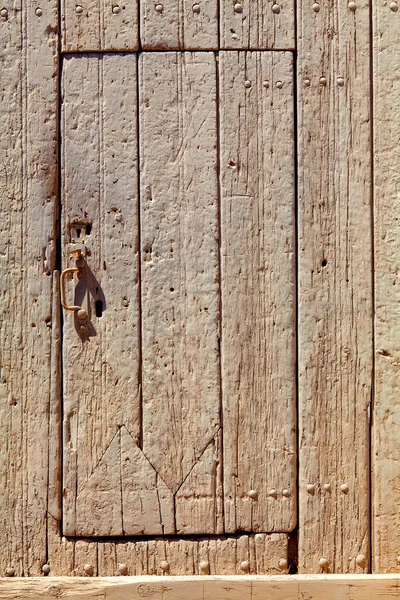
(386, 445)
(296, 587)
(253, 25)
(180, 292)
(28, 192)
(110, 488)
(178, 25)
(89, 25)
(335, 285)
(265, 553)
(258, 282)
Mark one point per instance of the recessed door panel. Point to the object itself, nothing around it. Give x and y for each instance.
(178, 251)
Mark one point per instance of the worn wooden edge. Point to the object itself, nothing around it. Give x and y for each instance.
(354, 587)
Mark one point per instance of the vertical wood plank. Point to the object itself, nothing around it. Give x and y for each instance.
(254, 25)
(110, 486)
(335, 285)
(179, 25)
(258, 290)
(28, 193)
(180, 299)
(386, 447)
(99, 25)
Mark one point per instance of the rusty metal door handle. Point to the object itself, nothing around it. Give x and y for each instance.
(79, 310)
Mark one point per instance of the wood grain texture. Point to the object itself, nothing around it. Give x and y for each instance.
(253, 25)
(258, 290)
(179, 25)
(110, 488)
(335, 286)
(180, 292)
(232, 587)
(265, 553)
(386, 447)
(93, 25)
(28, 192)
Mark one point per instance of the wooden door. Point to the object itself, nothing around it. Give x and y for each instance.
(179, 385)
(227, 176)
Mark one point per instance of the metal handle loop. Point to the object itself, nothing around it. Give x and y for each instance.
(80, 311)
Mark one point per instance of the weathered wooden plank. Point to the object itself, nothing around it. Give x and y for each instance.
(93, 25)
(335, 287)
(386, 447)
(231, 587)
(178, 25)
(258, 290)
(180, 296)
(28, 192)
(216, 556)
(250, 24)
(118, 491)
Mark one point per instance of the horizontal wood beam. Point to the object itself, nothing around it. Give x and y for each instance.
(290, 587)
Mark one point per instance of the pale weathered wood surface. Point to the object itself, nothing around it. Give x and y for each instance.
(28, 191)
(260, 554)
(258, 282)
(99, 25)
(335, 285)
(254, 25)
(386, 444)
(179, 25)
(180, 292)
(110, 488)
(204, 588)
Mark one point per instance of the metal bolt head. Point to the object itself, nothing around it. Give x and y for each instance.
(307, 82)
(247, 84)
(323, 562)
(340, 81)
(327, 487)
(204, 566)
(360, 560)
(279, 84)
(394, 6)
(276, 9)
(398, 560)
(116, 9)
(81, 314)
(286, 493)
(323, 81)
(79, 9)
(352, 5)
(164, 565)
(88, 569)
(316, 7)
(345, 488)
(159, 8)
(272, 493)
(266, 84)
(196, 9)
(38, 12)
(4, 13)
(10, 572)
(46, 568)
(310, 488)
(122, 569)
(238, 7)
(245, 566)
(252, 494)
(282, 563)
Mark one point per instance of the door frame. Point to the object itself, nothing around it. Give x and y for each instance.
(287, 587)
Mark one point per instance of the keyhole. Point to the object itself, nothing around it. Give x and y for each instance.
(98, 306)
